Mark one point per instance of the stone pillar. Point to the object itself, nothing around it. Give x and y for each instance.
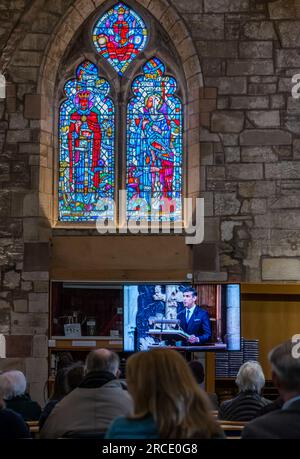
(233, 316)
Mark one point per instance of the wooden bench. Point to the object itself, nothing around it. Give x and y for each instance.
(232, 429)
(34, 428)
(232, 423)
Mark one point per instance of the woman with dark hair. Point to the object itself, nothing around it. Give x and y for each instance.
(74, 376)
(59, 391)
(168, 403)
(198, 372)
(67, 379)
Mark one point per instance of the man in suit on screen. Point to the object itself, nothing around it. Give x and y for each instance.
(193, 319)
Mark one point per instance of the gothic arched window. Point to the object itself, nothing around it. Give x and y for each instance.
(154, 145)
(90, 153)
(86, 163)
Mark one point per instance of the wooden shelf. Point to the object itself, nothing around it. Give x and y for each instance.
(270, 289)
(85, 343)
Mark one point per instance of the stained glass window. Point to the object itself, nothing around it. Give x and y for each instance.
(154, 146)
(86, 134)
(119, 36)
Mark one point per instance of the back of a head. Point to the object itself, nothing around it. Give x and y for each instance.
(74, 376)
(250, 377)
(12, 384)
(102, 360)
(162, 384)
(197, 370)
(286, 366)
(65, 360)
(59, 390)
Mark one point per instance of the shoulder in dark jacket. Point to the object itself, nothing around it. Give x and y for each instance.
(281, 424)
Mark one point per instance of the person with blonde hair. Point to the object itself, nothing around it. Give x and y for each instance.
(168, 403)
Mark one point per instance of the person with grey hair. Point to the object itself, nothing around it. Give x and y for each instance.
(102, 361)
(12, 425)
(245, 407)
(89, 409)
(285, 422)
(13, 387)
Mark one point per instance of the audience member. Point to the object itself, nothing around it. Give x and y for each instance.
(67, 379)
(275, 405)
(13, 387)
(168, 403)
(59, 392)
(74, 376)
(92, 406)
(285, 422)
(198, 372)
(245, 407)
(12, 425)
(65, 360)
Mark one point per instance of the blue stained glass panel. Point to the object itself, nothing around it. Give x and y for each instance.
(119, 36)
(86, 145)
(154, 145)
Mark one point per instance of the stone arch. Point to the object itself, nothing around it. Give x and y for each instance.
(74, 18)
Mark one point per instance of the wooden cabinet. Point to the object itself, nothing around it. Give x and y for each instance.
(83, 316)
(269, 313)
(94, 309)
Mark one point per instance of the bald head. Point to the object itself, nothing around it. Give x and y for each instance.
(102, 360)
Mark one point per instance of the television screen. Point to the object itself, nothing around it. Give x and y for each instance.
(204, 318)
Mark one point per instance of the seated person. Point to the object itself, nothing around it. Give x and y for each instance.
(91, 407)
(12, 425)
(198, 372)
(59, 392)
(13, 387)
(273, 406)
(74, 376)
(285, 422)
(168, 403)
(66, 379)
(246, 406)
(194, 320)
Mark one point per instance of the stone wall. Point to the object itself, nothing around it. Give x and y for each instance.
(26, 27)
(249, 144)
(250, 168)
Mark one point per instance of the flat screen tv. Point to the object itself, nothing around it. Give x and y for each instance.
(204, 318)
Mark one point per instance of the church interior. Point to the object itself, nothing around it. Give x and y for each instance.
(147, 148)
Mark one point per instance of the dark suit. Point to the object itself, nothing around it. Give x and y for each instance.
(277, 424)
(198, 324)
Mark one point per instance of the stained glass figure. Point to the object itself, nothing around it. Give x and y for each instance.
(119, 36)
(86, 142)
(154, 146)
